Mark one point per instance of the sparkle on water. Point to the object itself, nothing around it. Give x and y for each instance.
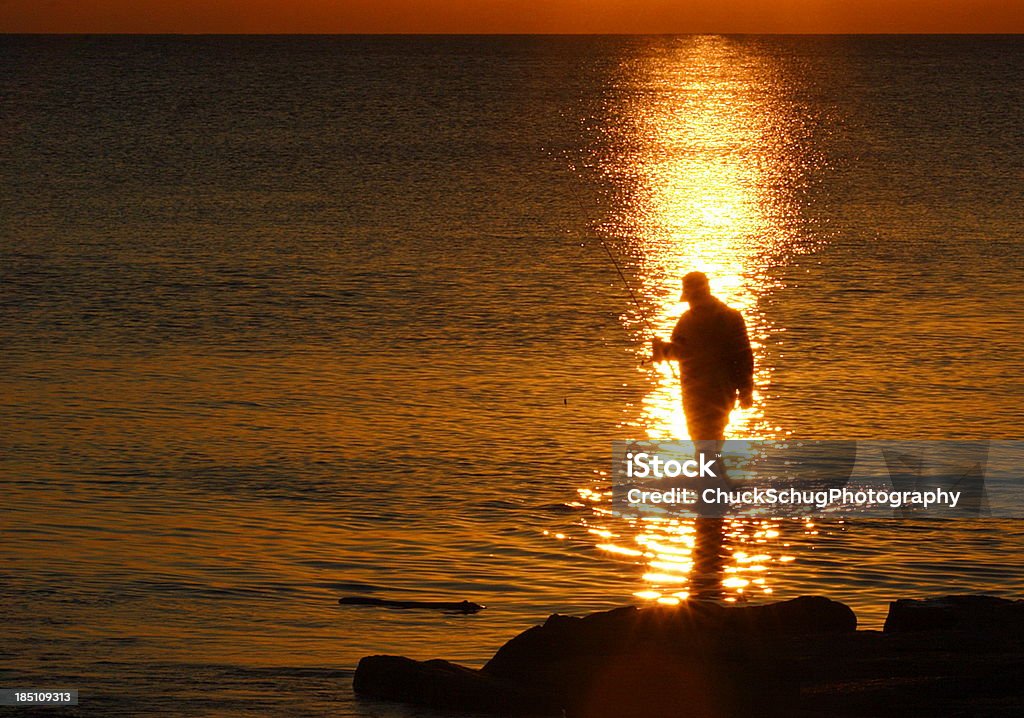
(708, 161)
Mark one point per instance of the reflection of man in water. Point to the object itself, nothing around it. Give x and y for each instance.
(711, 345)
(708, 559)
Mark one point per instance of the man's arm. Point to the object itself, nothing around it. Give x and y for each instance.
(743, 363)
(666, 351)
(671, 350)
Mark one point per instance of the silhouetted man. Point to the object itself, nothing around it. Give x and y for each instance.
(711, 345)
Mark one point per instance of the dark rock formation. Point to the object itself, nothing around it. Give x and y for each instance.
(620, 662)
(956, 613)
(645, 662)
(440, 684)
(954, 656)
(671, 629)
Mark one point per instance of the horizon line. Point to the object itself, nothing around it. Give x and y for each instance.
(83, 33)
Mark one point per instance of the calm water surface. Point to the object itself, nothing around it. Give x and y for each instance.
(285, 319)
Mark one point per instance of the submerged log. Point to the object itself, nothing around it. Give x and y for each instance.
(455, 607)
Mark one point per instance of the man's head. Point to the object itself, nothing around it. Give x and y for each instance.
(695, 287)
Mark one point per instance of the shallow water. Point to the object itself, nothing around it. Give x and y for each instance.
(285, 319)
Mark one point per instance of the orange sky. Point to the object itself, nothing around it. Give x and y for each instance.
(511, 16)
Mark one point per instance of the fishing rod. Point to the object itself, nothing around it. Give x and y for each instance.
(615, 262)
(586, 216)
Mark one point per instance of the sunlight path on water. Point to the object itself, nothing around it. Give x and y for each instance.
(705, 176)
(711, 162)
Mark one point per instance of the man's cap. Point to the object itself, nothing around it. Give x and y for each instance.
(695, 280)
(695, 284)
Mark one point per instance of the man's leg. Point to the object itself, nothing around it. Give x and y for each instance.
(707, 415)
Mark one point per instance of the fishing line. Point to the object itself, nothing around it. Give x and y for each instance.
(586, 216)
(611, 256)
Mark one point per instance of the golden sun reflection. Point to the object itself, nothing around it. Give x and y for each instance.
(702, 161)
(703, 187)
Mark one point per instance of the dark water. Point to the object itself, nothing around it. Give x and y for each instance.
(284, 319)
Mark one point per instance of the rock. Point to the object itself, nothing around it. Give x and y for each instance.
(798, 616)
(444, 685)
(976, 614)
(871, 674)
(671, 628)
(712, 659)
(952, 656)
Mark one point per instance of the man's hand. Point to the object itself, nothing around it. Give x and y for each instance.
(658, 352)
(746, 398)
